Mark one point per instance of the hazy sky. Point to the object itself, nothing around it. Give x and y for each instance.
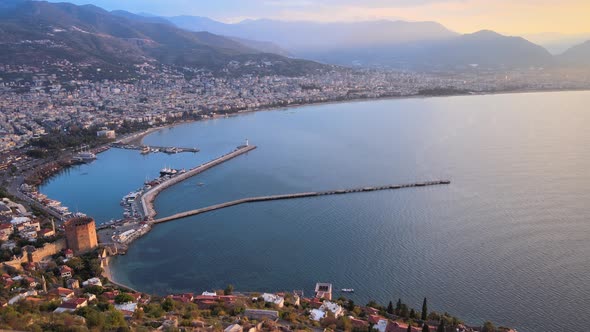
(507, 16)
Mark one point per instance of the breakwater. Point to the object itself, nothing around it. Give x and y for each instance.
(147, 199)
(297, 195)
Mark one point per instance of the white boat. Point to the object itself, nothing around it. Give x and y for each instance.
(84, 157)
(348, 290)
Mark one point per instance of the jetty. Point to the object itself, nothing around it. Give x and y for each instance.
(296, 195)
(148, 198)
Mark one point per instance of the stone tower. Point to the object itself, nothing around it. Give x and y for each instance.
(81, 234)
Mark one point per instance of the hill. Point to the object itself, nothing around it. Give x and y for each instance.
(578, 55)
(39, 33)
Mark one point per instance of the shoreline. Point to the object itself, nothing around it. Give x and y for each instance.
(147, 132)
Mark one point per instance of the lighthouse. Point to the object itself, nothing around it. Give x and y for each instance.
(247, 143)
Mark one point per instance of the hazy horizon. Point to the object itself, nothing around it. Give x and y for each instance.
(526, 17)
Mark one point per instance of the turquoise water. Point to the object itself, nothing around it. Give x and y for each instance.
(508, 240)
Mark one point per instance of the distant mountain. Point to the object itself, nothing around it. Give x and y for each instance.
(490, 49)
(576, 56)
(481, 49)
(304, 36)
(557, 43)
(395, 44)
(35, 32)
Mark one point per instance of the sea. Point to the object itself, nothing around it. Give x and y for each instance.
(508, 240)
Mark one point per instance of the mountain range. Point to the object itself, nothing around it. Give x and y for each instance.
(38, 32)
(397, 44)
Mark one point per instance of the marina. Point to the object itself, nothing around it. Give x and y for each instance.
(145, 149)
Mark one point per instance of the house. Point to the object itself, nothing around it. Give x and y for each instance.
(317, 314)
(65, 271)
(5, 231)
(92, 282)
(358, 323)
(279, 301)
(336, 309)
(73, 283)
(234, 328)
(323, 290)
(379, 323)
(128, 309)
(46, 232)
(72, 305)
(184, 298)
(69, 253)
(64, 293)
(31, 283)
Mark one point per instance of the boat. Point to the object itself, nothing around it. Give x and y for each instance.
(347, 290)
(84, 157)
(200, 184)
(168, 171)
(145, 150)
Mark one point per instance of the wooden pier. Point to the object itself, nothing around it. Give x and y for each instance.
(297, 195)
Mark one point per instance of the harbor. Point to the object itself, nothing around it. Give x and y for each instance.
(145, 149)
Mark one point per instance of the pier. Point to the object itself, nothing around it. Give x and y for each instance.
(296, 195)
(148, 198)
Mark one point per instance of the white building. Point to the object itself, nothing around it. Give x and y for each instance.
(317, 314)
(272, 298)
(92, 282)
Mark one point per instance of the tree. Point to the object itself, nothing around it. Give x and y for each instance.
(168, 304)
(441, 326)
(425, 328)
(488, 327)
(123, 298)
(409, 326)
(398, 306)
(390, 308)
(229, 289)
(424, 310)
(413, 314)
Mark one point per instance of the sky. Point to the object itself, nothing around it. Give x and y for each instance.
(515, 17)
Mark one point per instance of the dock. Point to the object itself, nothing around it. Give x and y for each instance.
(148, 198)
(296, 195)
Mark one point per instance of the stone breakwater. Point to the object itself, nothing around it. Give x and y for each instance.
(147, 199)
(297, 195)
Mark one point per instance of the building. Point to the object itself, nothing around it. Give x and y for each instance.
(279, 301)
(105, 133)
(81, 234)
(323, 290)
(65, 272)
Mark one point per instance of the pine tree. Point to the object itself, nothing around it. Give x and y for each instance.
(398, 307)
(441, 326)
(424, 310)
(425, 328)
(390, 308)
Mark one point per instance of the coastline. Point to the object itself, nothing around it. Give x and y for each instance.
(140, 136)
(143, 134)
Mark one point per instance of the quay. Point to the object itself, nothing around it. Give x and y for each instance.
(148, 198)
(296, 195)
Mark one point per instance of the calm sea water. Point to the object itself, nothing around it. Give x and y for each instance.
(508, 240)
